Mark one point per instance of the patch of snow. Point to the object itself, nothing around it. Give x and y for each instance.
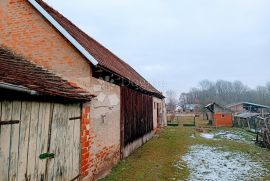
(207, 135)
(230, 136)
(208, 163)
(235, 136)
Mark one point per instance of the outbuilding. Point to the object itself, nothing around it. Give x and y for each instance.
(40, 123)
(242, 107)
(127, 109)
(218, 115)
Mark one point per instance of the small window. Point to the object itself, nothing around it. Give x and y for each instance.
(154, 105)
(223, 115)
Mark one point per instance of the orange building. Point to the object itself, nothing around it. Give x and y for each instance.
(218, 115)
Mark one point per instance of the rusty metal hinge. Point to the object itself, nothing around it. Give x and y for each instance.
(75, 118)
(9, 122)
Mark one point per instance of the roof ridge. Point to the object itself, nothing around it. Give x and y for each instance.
(95, 49)
(82, 31)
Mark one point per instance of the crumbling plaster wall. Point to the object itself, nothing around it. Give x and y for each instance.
(105, 115)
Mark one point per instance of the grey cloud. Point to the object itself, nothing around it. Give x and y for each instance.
(181, 42)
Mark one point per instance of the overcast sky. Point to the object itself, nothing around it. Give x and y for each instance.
(177, 43)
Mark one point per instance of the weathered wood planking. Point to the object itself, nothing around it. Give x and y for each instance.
(23, 140)
(69, 141)
(6, 111)
(33, 135)
(76, 151)
(136, 114)
(42, 139)
(14, 142)
(44, 127)
(64, 151)
(50, 162)
(53, 143)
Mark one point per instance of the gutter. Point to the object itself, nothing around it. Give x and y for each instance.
(18, 88)
(63, 31)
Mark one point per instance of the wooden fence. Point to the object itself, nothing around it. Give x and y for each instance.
(263, 135)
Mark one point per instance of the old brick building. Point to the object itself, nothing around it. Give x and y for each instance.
(42, 35)
(218, 115)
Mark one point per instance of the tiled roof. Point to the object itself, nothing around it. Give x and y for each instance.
(17, 71)
(104, 57)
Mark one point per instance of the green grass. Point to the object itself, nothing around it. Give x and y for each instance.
(155, 161)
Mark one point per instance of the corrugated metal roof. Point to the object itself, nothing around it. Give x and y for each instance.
(247, 103)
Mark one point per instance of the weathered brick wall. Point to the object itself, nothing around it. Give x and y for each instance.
(100, 136)
(105, 115)
(101, 131)
(27, 33)
(223, 119)
(86, 141)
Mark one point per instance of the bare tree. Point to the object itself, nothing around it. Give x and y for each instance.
(171, 100)
(225, 92)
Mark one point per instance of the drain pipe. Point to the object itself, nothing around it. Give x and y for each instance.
(18, 88)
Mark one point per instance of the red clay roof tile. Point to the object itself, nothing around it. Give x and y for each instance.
(18, 71)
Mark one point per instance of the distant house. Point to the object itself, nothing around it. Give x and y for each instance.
(241, 107)
(178, 109)
(218, 115)
(188, 108)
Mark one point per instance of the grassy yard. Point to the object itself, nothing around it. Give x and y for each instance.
(160, 158)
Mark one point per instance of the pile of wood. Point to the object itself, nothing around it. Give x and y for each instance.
(263, 135)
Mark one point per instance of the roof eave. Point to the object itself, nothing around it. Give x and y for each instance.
(63, 31)
(155, 94)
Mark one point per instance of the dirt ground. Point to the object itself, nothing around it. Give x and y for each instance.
(183, 153)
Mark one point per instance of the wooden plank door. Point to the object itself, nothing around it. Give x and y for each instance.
(28, 129)
(23, 135)
(64, 143)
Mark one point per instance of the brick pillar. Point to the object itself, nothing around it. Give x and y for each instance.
(85, 142)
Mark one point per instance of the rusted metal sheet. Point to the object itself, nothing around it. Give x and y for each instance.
(136, 115)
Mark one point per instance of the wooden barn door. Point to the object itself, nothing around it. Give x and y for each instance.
(136, 116)
(65, 143)
(30, 132)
